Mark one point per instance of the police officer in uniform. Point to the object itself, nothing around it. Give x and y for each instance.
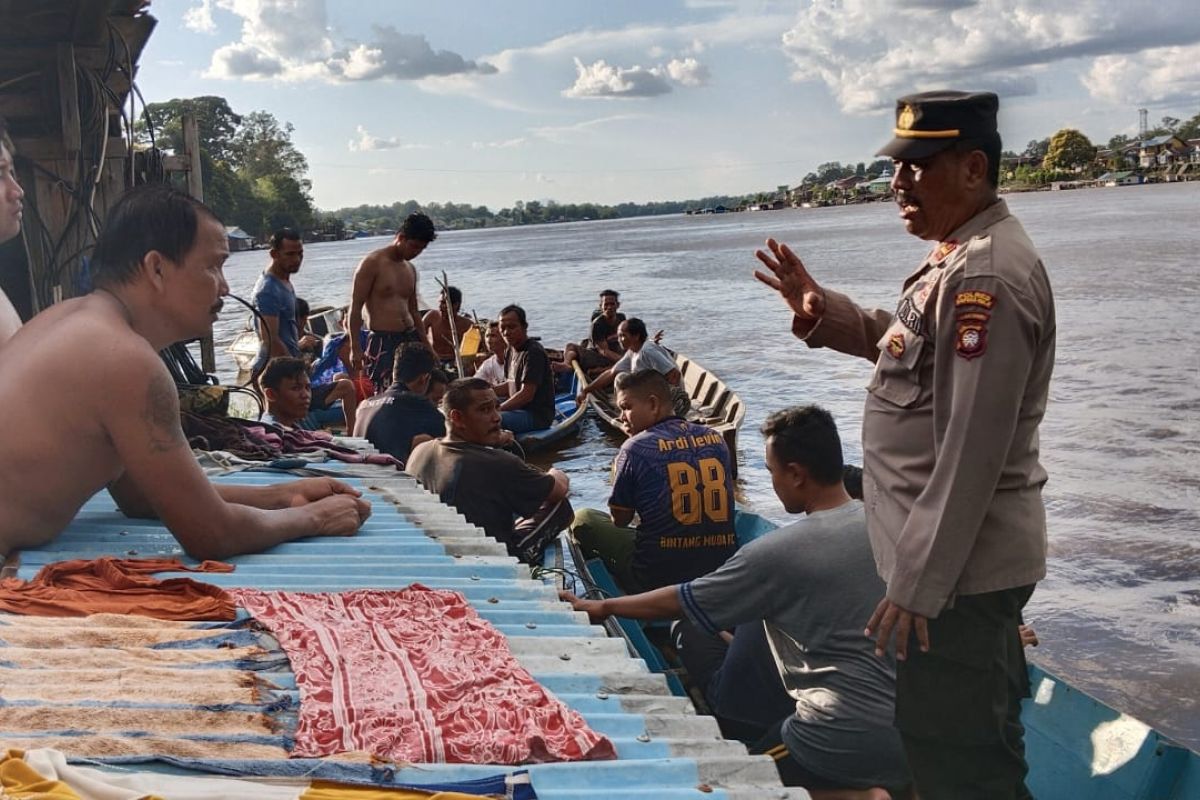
(950, 439)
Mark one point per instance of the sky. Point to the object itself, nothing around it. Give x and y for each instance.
(489, 102)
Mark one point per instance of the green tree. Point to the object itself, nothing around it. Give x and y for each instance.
(1036, 149)
(216, 123)
(1068, 149)
(1189, 129)
(263, 147)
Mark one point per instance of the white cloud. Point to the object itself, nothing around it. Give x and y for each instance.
(869, 51)
(503, 144)
(688, 72)
(761, 29)
(568, 133)
(1158, 76)
(366, 142)
(291, 40)
(601, 79)
(199, 18)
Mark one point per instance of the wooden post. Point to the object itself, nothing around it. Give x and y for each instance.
(195, 184)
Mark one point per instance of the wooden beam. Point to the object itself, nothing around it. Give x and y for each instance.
(191, 143)
(68, 99)
(195, 184)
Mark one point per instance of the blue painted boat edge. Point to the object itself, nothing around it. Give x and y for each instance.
(1078, 746)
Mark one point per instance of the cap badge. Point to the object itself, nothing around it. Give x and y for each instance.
(907, 118)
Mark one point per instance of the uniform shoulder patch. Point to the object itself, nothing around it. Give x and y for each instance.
(970, 337)
(895, 346)
(975, 297)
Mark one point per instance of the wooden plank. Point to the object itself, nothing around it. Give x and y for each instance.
(191, 143)
(68, 99)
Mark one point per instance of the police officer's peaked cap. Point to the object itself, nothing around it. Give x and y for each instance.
(929, 122)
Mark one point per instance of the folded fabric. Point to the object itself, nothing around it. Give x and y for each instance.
(119, 586)
(415, 676)
(44, 774)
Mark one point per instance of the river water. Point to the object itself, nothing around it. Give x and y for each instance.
(1119, 613)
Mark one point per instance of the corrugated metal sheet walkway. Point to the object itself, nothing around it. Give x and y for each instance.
(665, 750)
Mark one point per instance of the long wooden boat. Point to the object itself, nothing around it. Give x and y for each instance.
(713, 404)
(567, 416)
(322, 320)
(1076, 746)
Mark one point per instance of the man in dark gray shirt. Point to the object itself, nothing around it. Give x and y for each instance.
(809, 584)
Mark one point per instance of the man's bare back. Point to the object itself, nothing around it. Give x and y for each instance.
(42, 494)
(440, 337)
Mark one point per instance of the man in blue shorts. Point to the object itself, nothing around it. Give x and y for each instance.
(676, 477)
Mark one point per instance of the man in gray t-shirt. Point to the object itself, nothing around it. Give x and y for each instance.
(810, 584)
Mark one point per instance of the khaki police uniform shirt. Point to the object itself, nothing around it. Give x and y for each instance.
(952, 481)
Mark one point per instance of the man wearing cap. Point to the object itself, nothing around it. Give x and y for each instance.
(950, 440)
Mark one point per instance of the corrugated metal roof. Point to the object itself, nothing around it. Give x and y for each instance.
(664, 749)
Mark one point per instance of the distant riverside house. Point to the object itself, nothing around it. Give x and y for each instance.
(238, 239)
(876, 187)
(1123, 178)
(1161, 151)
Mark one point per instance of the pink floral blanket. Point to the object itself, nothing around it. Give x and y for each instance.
(415, 675)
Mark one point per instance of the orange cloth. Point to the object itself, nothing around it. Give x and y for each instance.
(118, 586)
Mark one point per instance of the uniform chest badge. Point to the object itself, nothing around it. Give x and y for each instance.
(942, 251)
(895, 346)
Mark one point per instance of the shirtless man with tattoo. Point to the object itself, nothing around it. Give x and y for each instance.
(385, 284)
(158, 274)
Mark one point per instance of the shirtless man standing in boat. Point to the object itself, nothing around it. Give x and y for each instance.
(385, 283)
(10, 224)
(158, 274)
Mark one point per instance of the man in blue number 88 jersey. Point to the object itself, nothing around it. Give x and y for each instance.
(676, 477)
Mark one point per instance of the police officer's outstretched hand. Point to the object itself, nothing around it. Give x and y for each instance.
(789, 277)
(889, 618)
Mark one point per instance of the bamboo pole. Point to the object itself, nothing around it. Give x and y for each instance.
(444, 282)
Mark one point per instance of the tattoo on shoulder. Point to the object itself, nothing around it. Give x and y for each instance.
(161, 415)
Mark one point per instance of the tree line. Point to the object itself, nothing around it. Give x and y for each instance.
(1069, 153)
(254, 177)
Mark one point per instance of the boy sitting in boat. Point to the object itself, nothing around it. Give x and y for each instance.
(513, 502)
(288, 392)
(812, 583)
(642, 353)
(158, 271)
(403, 415)
(676, 477)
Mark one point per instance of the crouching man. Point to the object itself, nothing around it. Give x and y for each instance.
(810, 584)
(513, 502)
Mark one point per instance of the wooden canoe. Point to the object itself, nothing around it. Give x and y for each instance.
(567, 416)
(713, 404)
